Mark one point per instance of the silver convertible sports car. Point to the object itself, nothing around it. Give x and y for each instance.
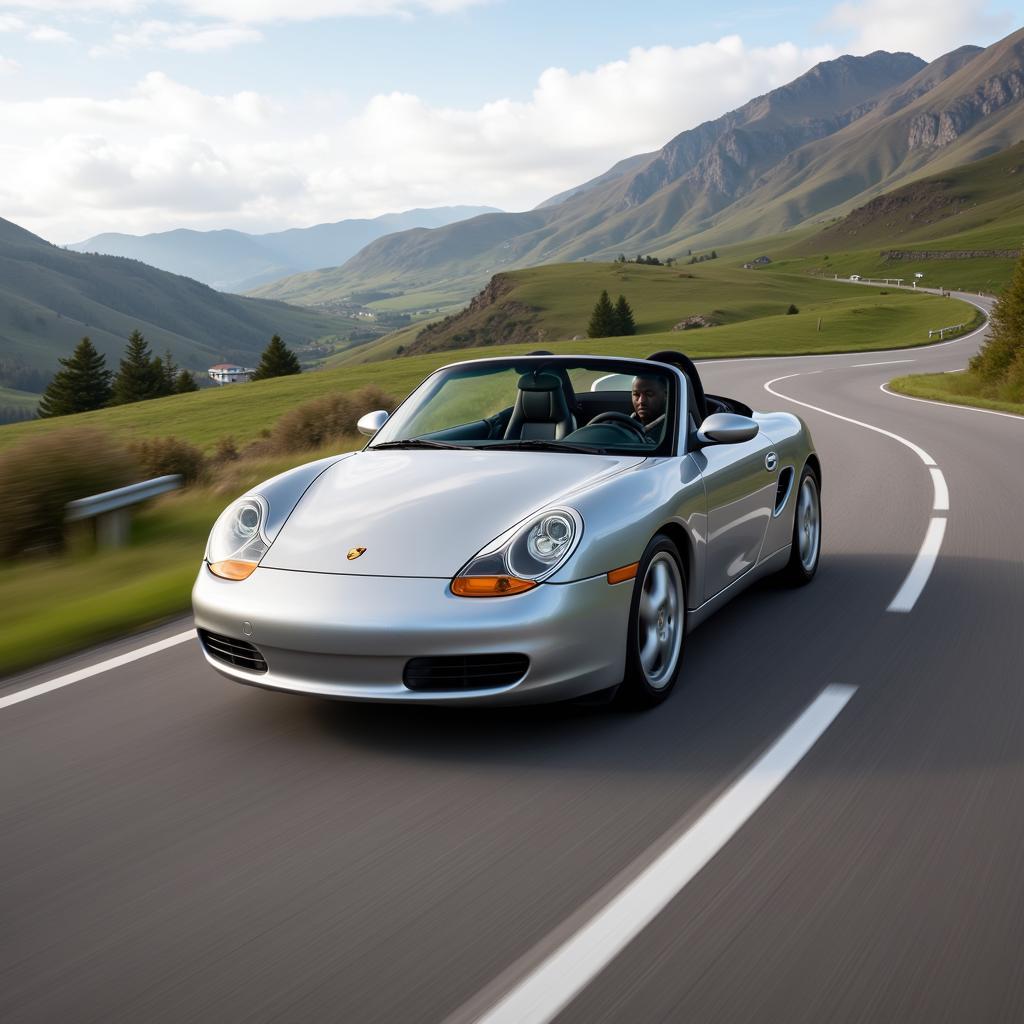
(521, 529)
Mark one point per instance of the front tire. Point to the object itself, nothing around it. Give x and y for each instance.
(806, 550)
(657, 627)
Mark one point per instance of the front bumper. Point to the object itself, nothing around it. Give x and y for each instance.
(350, 637)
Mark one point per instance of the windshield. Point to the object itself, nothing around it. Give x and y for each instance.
(566, 403)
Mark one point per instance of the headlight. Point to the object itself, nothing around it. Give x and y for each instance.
(238, 540)
(523, 557)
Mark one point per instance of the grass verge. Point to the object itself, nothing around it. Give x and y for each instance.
(955, 388)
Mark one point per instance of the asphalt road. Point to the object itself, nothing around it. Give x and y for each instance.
(175, 847)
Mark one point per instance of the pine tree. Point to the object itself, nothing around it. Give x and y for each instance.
(624, 322)
(184, 383)
(170, 373)
(603, 322)
(277, 361)
(1006, 332)
(139, 376)
(83, 384)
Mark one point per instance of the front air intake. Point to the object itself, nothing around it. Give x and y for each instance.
(234, 652)
(465, 671)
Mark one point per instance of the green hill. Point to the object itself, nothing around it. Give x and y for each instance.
(50, 298)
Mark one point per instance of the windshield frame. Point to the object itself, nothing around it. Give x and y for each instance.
(431, 384)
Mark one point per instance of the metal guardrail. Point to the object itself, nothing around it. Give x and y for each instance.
(941, 331)
(111, 509)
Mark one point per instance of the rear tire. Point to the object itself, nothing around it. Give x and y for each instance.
(656, 633)
(805, 553)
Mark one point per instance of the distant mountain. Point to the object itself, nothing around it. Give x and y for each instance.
(692, 177)
(235, 261)
(811, 150)
(50, 298)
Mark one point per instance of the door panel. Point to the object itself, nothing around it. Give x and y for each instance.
(741, 495)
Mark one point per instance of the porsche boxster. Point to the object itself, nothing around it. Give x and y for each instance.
(519, 529)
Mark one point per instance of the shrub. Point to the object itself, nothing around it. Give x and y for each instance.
(320, 420)
(162, 455)
(792, 309)
(226, 450)
(42, 474)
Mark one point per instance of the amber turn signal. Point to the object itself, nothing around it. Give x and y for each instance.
(490, 586)
(231, 569)
(626, 572)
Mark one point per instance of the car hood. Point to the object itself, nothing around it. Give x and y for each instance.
(425, 513)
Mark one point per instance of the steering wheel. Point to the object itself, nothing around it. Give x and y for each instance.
(620, 419)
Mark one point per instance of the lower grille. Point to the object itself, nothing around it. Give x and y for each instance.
(465, 671)
(234, 652)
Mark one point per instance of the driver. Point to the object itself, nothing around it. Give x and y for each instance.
(649, 397)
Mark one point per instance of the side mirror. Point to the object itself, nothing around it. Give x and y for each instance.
(727, 428)
(372, 422)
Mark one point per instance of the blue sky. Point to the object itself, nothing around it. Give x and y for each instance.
(263, 114)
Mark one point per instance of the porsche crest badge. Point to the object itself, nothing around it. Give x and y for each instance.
(354, 553)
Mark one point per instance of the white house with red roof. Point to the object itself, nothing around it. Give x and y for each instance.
(230, 373)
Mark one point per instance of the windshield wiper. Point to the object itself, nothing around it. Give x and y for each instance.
(415, 442)
(545, 446)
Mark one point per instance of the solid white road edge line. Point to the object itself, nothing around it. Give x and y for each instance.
(887, 362)
(941, 503)
(926, 557)
(908, 594)
(951, 405)
(95, 670)
(559, 978)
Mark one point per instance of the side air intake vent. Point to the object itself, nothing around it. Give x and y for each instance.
(234, 652)
(465, 672)
(785, 486)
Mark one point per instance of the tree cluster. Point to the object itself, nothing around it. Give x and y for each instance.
(1000, 363)
(703, 257)
(611, 321)
(646, 261)
(84, 383)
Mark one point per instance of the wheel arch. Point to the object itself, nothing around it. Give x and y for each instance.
(678, 535)
(814, 462)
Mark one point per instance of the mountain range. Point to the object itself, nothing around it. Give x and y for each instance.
(235, 261)
(809, 151)
(50, 298)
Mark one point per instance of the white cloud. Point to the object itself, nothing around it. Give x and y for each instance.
(166, 155)
(246, 11)
(8, 66)
(183, 35)
(10, 23)
(48, 34)
(212, 37)
(928, 30)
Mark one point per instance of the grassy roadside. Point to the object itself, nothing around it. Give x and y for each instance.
(55, 606)
(954, 388)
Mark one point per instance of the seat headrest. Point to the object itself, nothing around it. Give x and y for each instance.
(538, 380)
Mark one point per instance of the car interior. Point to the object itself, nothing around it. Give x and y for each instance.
(548, 407)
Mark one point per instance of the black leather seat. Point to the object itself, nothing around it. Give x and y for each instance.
(541, 411)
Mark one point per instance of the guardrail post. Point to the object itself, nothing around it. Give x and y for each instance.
(113, 528)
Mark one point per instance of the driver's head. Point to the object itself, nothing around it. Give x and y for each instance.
(649, 394)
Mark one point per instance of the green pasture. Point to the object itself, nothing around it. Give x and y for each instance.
(852, 319)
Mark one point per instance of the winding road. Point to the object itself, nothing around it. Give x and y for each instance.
(824, 823)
